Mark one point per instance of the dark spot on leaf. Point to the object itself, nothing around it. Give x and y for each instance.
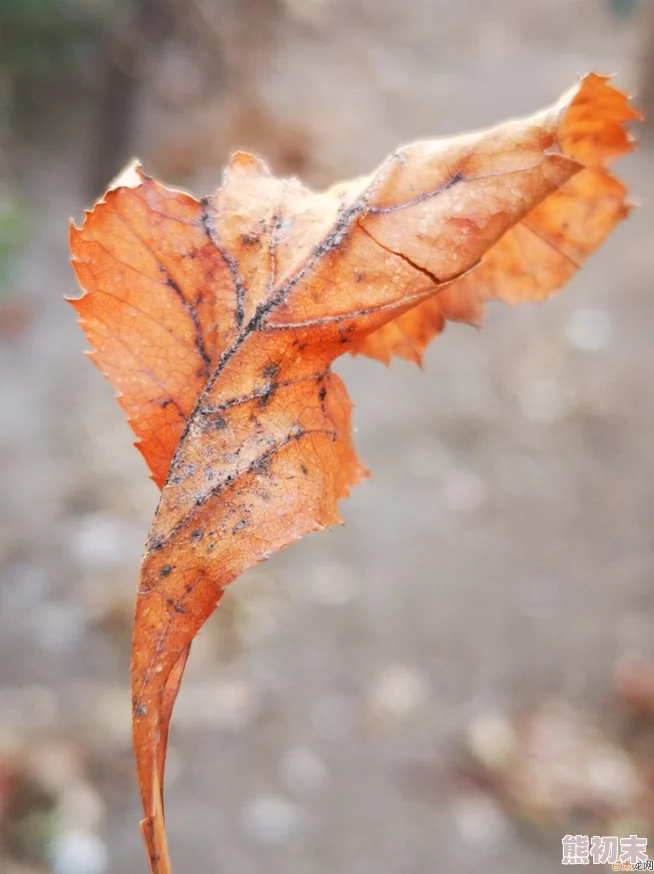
(264, 398)
(271, 370)
(165, 570)
(261, 465)
(454, 180)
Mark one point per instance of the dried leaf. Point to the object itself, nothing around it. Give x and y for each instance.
(217, 321)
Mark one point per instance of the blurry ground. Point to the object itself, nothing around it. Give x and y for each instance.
(501, 555)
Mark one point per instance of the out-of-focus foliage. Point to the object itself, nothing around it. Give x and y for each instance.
(38, 35)
(623, 8)
(13, 231)
(39, 38)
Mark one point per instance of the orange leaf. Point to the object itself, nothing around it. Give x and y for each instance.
(217, 320)
(540, 252)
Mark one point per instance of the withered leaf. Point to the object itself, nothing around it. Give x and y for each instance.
(217, 321)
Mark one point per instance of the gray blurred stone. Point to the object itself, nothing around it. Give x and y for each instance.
(333, 584)
(302, 771)
(103, 540)
(543, 401)
(79, 852)
(589, 330)
(333, 717)
(272, 819)
(398, 694)
(229, 703)
(463, 491)
(80, 807)
(480, 821)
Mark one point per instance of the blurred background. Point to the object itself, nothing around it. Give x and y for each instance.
(461, 674)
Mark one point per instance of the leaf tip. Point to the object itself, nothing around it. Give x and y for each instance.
(131, 176)
(73, 230)
(247, 164)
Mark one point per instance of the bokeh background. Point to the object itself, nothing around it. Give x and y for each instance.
(461, 674)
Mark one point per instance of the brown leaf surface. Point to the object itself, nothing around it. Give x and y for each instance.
(543, 250)
(217, 321)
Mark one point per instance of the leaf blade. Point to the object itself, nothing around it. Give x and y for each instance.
(218, 321)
